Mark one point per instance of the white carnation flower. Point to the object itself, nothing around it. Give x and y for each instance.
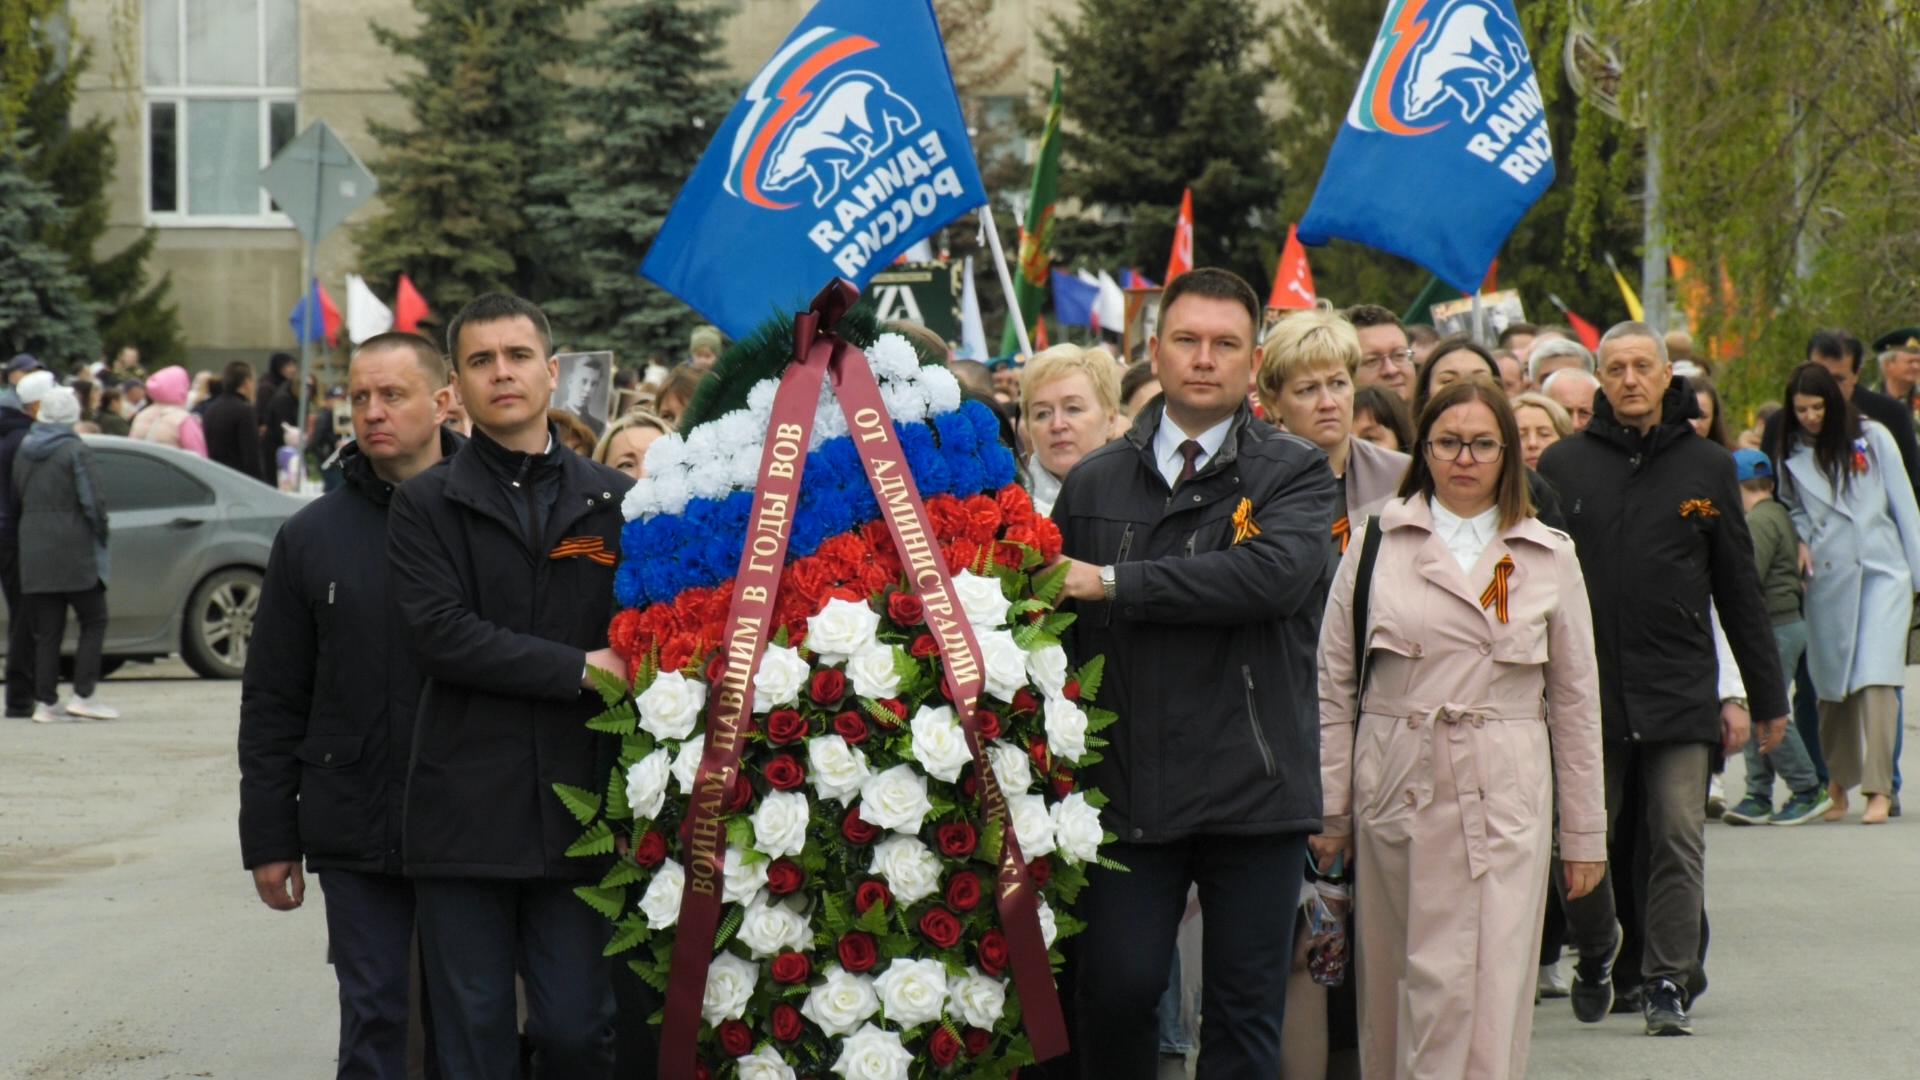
(639, 502)
(1031, 824)
(742, 880)
(841, 1003)
(736, 429)
(743, 468)
(668, 453)
(906, 402)
(836, 769)
(671, 706)
(769, 929)
(764, 1064)
(671, 490)
(986, 605)
(1011, 769)
(895, 799)
(661, 902)
(938, 744)
(1005, 663)
(943, 390)
(778, 681)
(911, 869)
(686, 763)
(873, 1054)
(730, 982)
(760, 402)
(647, 785)
(1048, 667)
(892, 357)
(710, 480)
(912, 991)
(1049, 928)
(1066, 725)
(780, 823)
(977, 1000)
(872, 673)
(841, 629)
(1076, 828)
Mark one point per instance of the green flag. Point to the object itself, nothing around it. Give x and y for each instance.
(1036, 233)
(1435, 292)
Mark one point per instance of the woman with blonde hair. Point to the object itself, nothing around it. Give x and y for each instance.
(1069, 407)
(1542, 423)
(624, 445)
(1437, 772)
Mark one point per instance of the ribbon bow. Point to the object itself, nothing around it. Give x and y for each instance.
(593, 548)
(1700, 508)
(1496, 595)
(1342, 531)
(1245, 528)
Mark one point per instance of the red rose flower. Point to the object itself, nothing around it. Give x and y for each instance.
(978, 1042)
(784, 773)
(989, 723)
(701, 1072)
(786, 1023)
(870, 893)
(785, 726)
(898, 708)
(716, 665)
(828, 687)
(970, 785)
(943, 1047)
(651, 850)
(851, 727)
(906, 609)
(992, 953)
(791, 969)
(735, 1038)
(855, 829)
(784, 877)
(1042, 760)
(1063, 783)
(1025, 702)
(1041, 871)
(957, 840)
(858, 953)
(1071, 691)
(923, 647)
(741, 795)
(963, 891)
(941, 926)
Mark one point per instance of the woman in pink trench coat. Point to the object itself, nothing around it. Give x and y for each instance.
(1444, 793)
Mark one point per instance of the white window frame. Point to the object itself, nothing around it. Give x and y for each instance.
(262, 95)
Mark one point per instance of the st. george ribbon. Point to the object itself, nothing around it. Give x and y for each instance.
(818, 351)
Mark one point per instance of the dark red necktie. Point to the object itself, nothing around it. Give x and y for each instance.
(1190, 450)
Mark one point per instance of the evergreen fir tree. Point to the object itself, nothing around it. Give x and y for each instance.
(456, 184)
(648, 102)
(1159, 97)
(43, 305)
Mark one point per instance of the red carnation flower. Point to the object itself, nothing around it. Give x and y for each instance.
(1041, 871)
(992, 953)
(906, 609)
(942, 1047)
(785, 726)
(1008, 555)
(942, 927)
(870, 893)
(828, 687)
(858, 953)
(962, 554)
(791, 969)
(957, 840)
(1050, 540)
(851, 727)
(963, 891)
(856, 830)
(784, 773)
(923, 647)
(651, 850)
(784, 877)
(735, 1038)
(786, 1023)
(978, 1042)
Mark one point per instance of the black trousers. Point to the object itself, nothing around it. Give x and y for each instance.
(50, 626)
(370, 943)
(475, 935)
(1249, 891)
(20, 655)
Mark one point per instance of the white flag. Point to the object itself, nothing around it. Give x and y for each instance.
(366, 315)
(973, 331)
(1112, 305)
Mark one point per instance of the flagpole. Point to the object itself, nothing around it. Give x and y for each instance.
(1006, 279)
(1479, 320)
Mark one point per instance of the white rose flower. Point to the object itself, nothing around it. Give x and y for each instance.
(1011, 769)
(1005, 663)
(938, 744)
(977, 1000)
(872, 673)
(778, 681)
(985, 604)
(686, 763)
(873, 1054)
(912, 991)
(841, 1003)
(1066, 727)
(671, 706)
(1031, 824)
(744, 879)
(661, 902)
(1048, 667)
(780, 823)
(768, 929)
(911, 869)
(730, 982)
(842, 628)
(647, 785)
(1049, 929)
(836, 769)
(764, 1064)
(895, 799)
(1076, 828)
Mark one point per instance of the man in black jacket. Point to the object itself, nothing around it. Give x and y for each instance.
(503, 572)
(1197, 543)
(1655, 514)
(232, 427)
(279, 409)
(16, 416)
(328, 700)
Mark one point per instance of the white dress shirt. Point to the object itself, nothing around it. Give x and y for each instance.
(1466, 538)
(1166, 447)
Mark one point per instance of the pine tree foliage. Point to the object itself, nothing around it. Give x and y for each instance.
(1159, 97)
(647, 101)
(456, 185)
(43, 305)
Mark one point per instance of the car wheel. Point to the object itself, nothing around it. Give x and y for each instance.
(219, 621)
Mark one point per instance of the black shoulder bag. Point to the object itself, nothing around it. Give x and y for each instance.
(1362, 590)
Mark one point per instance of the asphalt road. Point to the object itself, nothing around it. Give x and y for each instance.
(132, 945)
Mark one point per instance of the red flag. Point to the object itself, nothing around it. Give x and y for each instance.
(329, 316)
(1181, 259)
(1293, 280)
(1492, 283)
(409, 307)
(1589, 333)
(1039, 336)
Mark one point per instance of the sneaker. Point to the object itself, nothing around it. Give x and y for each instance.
(1804, 807)
(1751, 811)
(89, 709)
(1666, 1009)
(1551, 983)
(1626, 1002)
(1716, 798)
(1592, 990)
(47, 714)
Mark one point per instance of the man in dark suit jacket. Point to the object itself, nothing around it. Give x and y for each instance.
(232, 428)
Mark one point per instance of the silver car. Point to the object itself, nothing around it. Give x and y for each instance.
(188, 547)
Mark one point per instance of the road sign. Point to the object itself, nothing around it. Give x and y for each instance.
(317, 181)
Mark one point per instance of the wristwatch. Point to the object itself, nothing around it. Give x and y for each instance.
(1107, 583)
(1740, 701)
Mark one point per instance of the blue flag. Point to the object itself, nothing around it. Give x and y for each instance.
(848, 147)
(1445, 146)
(314, 318)
(1073, 299)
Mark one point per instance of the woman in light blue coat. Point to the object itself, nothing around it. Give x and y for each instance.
(1854, 509)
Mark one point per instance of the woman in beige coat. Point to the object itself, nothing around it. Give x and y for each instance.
(1481, 646)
